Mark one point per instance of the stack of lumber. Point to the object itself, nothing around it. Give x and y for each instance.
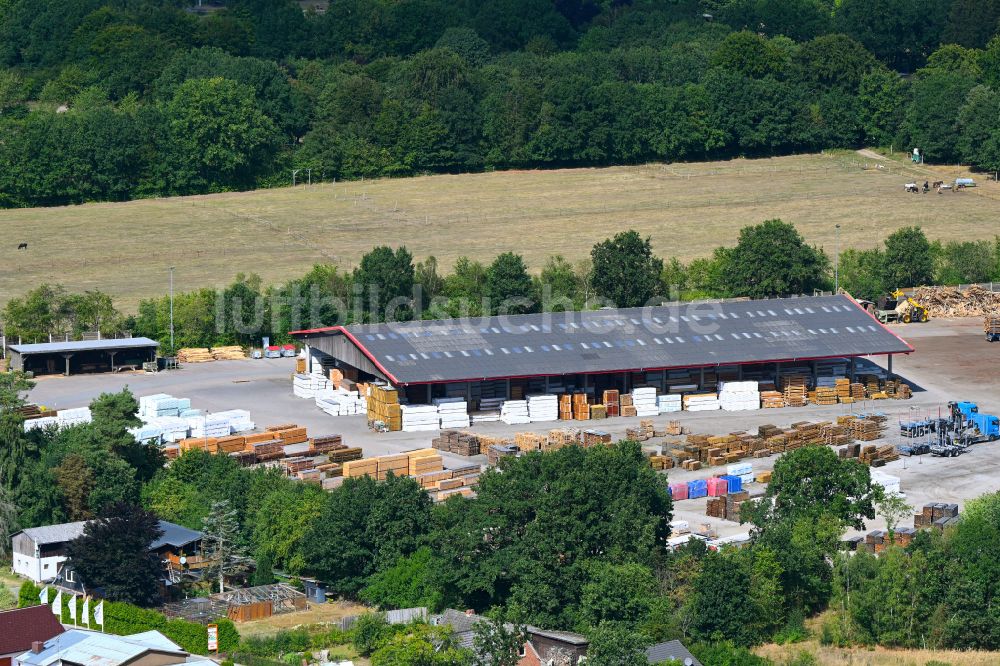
(866, 429)
(359, 468)
(595, 437)
(825, 395)
(645, 402)
(497, 451)
(933, 512)
(857, 391)
(561, 437)
(581, 409)
(674, 428)
(383, 407)
(793, 387)
(835, 435)
(771, 399)
(209, 444)
(344, 455)
(289, 433)
(565, 407)
(515, 412)
(763, 477)
(529, 441)
(642, 433)
(898, 390)
(231, 444)
(231, 353)
(950, 302)
(327, 443)
(611, 401)
(423, 461)
(716, 507)
(194, 355)
(700, 402)
(842, 387)
(661, 462)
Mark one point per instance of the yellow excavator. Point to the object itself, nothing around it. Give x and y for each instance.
(897, 307)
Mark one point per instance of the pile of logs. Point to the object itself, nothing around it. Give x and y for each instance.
(950, 302)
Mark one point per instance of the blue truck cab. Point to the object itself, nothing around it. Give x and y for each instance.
(987, 424)
(967, 408)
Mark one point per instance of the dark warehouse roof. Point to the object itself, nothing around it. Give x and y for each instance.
(654, 338)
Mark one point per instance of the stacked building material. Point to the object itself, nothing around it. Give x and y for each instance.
(359, 468)
(793, 388)
(231, 353)
(825, 395)
(194, 355)
(701, 402)
(561, 437)
(452, 412)
(697, 488)
(515, 412)
(595, 437)
(598, 412)
(384, 408)
(565, 407)
(716, 506)
(542, 408)
(419, 418)
(497, 451)
(668, 403)
(717, 487)
(289, 433)
(308, 386)
(529, 441)
(341, 402)
(327, 443)
(935, 514)
(611, 400)
(772, 399)
(581, 408)
(645, 401)
(739, 396)
(679, 491)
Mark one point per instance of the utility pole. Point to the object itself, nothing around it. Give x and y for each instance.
(171, 309)
(836, 264)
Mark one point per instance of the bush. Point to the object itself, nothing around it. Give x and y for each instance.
(124, 619)
(28, 595)
(727, 654)
(369, 632)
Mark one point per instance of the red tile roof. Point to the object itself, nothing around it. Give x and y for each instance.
(19, 628)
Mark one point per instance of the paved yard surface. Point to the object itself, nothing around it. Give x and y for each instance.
(952, 361)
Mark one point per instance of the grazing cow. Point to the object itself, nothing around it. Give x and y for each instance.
(22, 246)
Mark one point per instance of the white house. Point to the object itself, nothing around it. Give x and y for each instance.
(38, 551)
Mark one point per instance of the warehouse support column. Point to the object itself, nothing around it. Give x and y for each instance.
(777, 375)
(112, 355)
(468, 395)
(428, 394)
(854, 367)
(67, 357)
(891, 375)
(507, 395)
(739, 369)
(546, 391)
(701, 382)
(815, 373)
(309, 359)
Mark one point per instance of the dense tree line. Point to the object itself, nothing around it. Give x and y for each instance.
(769, 259)
(118, 100)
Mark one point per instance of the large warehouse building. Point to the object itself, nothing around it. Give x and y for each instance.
(590, 351)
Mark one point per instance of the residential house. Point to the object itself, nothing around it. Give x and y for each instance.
(22, 627)
(555, 648)
(672, 653)
(78, 647)
(39, 552)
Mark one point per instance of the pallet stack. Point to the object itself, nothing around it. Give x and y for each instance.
(936, 514)
(529, 441)
(496, 452)
(581, 409)
(825, 395)
(595, 438)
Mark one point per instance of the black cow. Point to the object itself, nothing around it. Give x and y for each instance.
(22, 246)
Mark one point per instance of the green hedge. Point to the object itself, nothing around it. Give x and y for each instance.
(124, 619)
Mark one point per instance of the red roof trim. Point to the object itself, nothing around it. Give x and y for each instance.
(324, 329)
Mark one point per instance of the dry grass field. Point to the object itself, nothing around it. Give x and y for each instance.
(830, 656)
(687, 209)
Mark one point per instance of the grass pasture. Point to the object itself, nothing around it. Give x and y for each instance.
(687, 209)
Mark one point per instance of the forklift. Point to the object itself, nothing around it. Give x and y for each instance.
(896, 307)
